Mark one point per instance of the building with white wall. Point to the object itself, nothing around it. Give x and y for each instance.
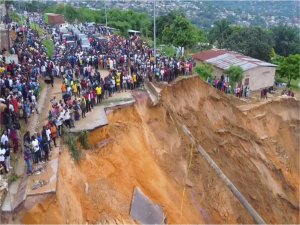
(257, 74)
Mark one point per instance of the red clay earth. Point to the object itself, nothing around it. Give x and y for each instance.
(256, 146)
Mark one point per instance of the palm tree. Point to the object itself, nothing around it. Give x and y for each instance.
(286, 40)
(220, 32)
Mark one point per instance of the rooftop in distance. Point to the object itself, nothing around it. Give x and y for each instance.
(224, 59)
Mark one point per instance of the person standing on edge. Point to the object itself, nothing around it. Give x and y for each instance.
(36, 149)
(53, 133)
(7, 157)
(27, 157)
(83, 107)
(2, 158)
(51, 79)
(98, 92)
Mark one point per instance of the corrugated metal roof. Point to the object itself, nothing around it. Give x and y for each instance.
(224, 59)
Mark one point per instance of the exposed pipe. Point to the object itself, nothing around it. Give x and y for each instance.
(257, 218)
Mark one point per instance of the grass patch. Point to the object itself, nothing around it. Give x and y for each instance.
(83, 140)
(70, 140)
(48, 43)
(13, 177)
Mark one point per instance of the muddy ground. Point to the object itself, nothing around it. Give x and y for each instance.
(256, 146)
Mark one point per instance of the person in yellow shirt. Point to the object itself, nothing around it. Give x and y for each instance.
(134, 80)
(98, 90)
(118, 83)
(118, 73)
(75, 89)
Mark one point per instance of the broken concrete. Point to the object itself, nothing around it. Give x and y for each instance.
(144, 210)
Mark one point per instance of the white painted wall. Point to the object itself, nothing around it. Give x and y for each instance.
(259, 77)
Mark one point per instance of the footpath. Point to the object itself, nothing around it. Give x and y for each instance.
(24, 186)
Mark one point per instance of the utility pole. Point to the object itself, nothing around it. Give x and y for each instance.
(154, 29)
(7, 22)
(105, 13)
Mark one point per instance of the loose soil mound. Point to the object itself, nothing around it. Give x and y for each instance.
(257, 148)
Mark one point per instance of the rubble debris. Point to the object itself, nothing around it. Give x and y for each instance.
(38, 184)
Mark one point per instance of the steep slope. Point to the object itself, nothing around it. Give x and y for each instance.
(256, 147)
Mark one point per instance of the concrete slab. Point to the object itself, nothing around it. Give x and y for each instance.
(49, 175)
(144, 210)
(21, 195)
(94, 119)
(7, 203)
(153, 92)
(97, 117)
(15, 195)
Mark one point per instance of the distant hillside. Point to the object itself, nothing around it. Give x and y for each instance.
(204, 13)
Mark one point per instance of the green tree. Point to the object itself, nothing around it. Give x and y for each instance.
(165, 21)
(220, 33)
(70, 13)
(32, 6)
(272, 54)
(251, 41)
(83, 14)
(204, 70)
(288, 67)
(235, 74)
(286, 40)
(201, 36)
(181, 33)
(124, 20)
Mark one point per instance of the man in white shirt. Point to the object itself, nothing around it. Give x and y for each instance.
(43, 70)
(48, 134)
(67, 117)
(58, 123)
(2, 157)
(4, 138)
(34, 103)
(36, 150)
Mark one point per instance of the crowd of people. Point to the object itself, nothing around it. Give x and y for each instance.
(223, 84)
(128, 61)
(19, 89)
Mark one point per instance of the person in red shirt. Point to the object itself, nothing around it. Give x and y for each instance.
(87, 97)
(15, 104)
(93, 98)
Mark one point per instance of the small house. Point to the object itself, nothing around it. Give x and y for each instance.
(257, 74)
